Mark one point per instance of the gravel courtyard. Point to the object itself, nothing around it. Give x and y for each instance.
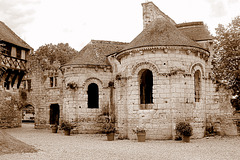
(52, 146)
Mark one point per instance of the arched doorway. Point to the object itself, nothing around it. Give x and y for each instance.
(28, 113)
(54, 114)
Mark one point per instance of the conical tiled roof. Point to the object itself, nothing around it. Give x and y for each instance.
(95, 52)
(7, 35)
(195, 30)
(160, 32)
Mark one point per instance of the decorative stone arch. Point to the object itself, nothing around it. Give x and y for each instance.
(197, 66)
(145, 65)
(92, 80)
(144, 86)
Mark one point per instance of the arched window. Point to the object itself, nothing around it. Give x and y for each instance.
(146, 87)
(93, 96)
(197, 85)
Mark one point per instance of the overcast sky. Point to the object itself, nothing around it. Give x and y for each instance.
(76, 22)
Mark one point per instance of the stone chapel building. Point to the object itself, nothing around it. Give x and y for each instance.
(161, 77)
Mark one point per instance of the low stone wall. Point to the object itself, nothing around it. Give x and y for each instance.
(221, 115)
(10, 113)
(89, 124)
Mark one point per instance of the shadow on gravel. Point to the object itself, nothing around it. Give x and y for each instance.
(10, 145)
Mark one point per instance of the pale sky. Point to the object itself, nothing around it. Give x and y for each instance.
(76, 22)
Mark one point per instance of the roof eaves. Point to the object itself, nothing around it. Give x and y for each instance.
(116, 53)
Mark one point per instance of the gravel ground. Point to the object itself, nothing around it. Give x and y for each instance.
(10, 145)
(86, 146)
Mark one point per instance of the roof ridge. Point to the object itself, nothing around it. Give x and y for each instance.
(107, 42)
(188, 24)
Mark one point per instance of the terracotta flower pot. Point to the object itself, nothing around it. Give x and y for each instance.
(186, 139)
(141, 137)
(110, 136)
(67, 132)
(54, 129)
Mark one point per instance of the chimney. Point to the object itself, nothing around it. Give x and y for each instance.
(151, 12)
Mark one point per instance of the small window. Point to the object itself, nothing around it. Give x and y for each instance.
(93, 96)
(7, 49)
(24, 84)
(197, 85)
(53, 81)
(19, 53)
(29, 84)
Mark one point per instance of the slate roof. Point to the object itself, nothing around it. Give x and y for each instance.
(7, 35)
(195, 30)
(161, 32)
(95, 52)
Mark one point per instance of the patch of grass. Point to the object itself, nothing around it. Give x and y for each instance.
(11, 145)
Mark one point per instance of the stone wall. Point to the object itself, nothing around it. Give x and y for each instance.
(173, 92)
(220, 113)
(173, 95)
(42, 95)
(75, 101)
(10, 112)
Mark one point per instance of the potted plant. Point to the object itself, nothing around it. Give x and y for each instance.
(54, 128)
(72, 85)
(185, 130)
(109, 129)
(141, 133)
(66, 127)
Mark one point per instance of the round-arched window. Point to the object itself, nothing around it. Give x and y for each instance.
(197, 85)
(93, 96)
(146, 87)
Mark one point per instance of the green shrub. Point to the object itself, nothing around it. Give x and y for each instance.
(184, 129)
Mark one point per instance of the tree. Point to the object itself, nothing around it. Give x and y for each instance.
(226, 62)
(47, 54)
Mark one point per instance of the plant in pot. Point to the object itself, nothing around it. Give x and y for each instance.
(109, 129)
(141, 133)
(54, 128)
(66, 126)
(72, 85)
(185, 130)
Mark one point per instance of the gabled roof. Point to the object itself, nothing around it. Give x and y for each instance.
(161, 32)
(7, 35)
(95, 52)
(195, 30)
